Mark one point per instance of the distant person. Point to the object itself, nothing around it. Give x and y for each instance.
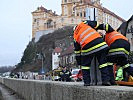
(47, 77)
(17, 75)
(65, 75)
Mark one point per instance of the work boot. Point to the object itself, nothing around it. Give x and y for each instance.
(86, 77)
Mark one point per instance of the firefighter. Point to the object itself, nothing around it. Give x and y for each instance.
(65, 74)
(119, 48)
(89, 43)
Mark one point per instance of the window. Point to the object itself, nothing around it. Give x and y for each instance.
(84, 14)
(34, 20)
(65, 1)
(65, 10)
(49, 23)
(54, 24)
(81, 14)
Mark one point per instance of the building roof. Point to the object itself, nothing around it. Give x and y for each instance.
(111, 13)
(124, 25)
(57, 50)
(131, 18)
(42, 9)
(68, 51)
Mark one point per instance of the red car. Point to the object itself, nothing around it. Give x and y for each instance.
(77, 75)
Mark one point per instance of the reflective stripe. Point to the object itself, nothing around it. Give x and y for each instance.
(94, 47)
(107, 27)
(85, 32)
(85, 22)
(125, 66)
(91, 33)
(115, 53)
(109, 63)
(74, 28)
(85, 67)
(96, 25)
(96, 50)
(119, 49)
(110, 38)
(77, 52)
(103, 65)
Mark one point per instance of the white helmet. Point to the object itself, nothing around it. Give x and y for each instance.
(74, 28)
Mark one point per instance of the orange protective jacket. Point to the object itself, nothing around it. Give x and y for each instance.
(84, 34)
(113, 36)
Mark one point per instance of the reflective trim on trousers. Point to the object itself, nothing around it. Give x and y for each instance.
(119, 49)
(115, 53)
(103, 65)
(96, 50)
(85, 67)
(125, 66)
(109, 63)
(76, 52)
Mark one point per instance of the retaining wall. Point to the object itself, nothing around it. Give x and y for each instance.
(53, 90)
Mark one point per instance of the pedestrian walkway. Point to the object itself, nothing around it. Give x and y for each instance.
(7, 94)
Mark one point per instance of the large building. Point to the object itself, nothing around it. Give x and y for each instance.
(73, 12)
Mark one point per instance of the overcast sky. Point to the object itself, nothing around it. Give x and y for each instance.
(16, 23)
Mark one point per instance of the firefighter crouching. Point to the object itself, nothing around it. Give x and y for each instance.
(119, 48)
(89, 43)
(65, 75)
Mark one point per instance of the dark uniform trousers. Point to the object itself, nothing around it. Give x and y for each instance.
(120, 55)
(86, 64)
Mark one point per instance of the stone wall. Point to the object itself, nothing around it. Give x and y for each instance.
(54, 90)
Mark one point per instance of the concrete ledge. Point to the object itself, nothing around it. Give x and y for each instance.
(52, 90)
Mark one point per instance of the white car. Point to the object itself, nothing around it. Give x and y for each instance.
(76, 75)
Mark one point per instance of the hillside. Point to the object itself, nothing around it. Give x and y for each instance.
(59, 38)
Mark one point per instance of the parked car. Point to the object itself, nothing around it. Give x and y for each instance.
(76, 75)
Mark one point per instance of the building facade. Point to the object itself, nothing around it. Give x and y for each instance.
(55, 58)
(73, 12)
(67, 58)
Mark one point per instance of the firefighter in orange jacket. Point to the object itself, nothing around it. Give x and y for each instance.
(119, 48)
(89, 43)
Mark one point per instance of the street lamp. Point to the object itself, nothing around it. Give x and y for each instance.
(42, 57)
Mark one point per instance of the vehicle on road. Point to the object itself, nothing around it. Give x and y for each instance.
(76, 75)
